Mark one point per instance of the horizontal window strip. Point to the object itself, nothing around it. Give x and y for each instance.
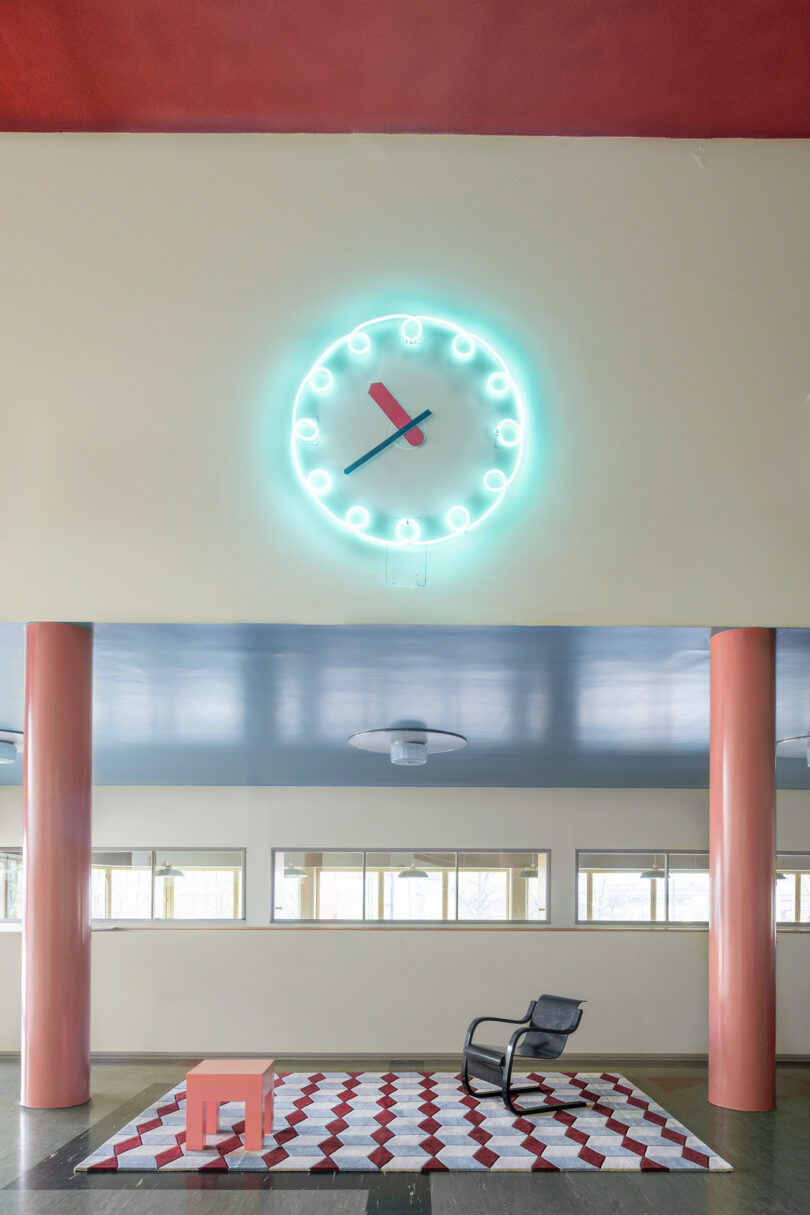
(397, 886)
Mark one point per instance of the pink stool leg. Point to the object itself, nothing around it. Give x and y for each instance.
(268, 1110)
(195, 1136)
(254, 1132)
(212, 1117)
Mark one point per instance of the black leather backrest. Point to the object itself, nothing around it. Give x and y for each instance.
(558, 1014)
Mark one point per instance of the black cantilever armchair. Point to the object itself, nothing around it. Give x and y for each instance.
(546, 1028)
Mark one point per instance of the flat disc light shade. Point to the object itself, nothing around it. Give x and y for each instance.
(11, 742)
(292, 871)
(798, 745)
(167, 871)
(407, 747)
(411, 872)
(652, 873)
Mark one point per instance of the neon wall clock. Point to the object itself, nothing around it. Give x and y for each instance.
(408, 430)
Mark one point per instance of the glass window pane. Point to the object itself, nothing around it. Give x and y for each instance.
(340, 893)
(503, 886)
(11, 884)
(288, 877)
(205, 885)
(689, 887)
(621, 886)
(786, 898)
(793, 887)
(318, 886)
(121, 885)
(338, 885)
(410, 886)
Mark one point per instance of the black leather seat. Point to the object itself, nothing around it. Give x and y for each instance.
(546, 1027)
(489, 1056)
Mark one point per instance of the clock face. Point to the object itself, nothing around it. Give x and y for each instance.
(408, 430)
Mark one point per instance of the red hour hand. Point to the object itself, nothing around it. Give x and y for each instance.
(395, 413)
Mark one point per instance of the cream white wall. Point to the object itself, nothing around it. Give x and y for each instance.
(163, 295)
(401, 991)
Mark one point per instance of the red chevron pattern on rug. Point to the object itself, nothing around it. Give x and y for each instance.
(418, 1122)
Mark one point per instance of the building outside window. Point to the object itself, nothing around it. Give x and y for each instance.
(409, 887)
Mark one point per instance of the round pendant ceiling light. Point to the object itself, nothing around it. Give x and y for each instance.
(409, 754)
(293, 871)
(655, 872)
(405, 747)
(11, 742)
(168, 871)
(794, 748)
(412, 872)
(529, 873)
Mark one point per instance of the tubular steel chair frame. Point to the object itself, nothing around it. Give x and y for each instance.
(490, 1067)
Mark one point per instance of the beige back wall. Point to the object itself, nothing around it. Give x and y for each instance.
(162, 296)
(402, 991)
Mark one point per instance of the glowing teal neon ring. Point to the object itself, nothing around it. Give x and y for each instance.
(464, 343)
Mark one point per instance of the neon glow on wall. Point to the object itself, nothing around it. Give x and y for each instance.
(408, 430)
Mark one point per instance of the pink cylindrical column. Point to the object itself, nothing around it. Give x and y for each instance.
(742, 935)
(56, 866)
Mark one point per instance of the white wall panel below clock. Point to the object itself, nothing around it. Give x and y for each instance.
(163, 296)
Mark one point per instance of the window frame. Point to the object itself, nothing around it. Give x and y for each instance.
(380, 923)
(15, 851)
(152, 920)
(666, 922)
(792, 925)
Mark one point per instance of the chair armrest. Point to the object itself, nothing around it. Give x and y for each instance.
(502, 1020)
(512, 1047)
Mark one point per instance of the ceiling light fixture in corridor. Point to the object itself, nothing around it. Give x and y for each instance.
(406, 747)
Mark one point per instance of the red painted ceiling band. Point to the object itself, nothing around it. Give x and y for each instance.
(691, 68)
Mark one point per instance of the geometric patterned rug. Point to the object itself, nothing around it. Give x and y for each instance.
(417, 1122)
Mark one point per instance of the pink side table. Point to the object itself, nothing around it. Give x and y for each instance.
(216, 1081)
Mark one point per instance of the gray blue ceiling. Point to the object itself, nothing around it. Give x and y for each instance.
(274, 704)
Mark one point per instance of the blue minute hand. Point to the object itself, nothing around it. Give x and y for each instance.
(386, 442)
